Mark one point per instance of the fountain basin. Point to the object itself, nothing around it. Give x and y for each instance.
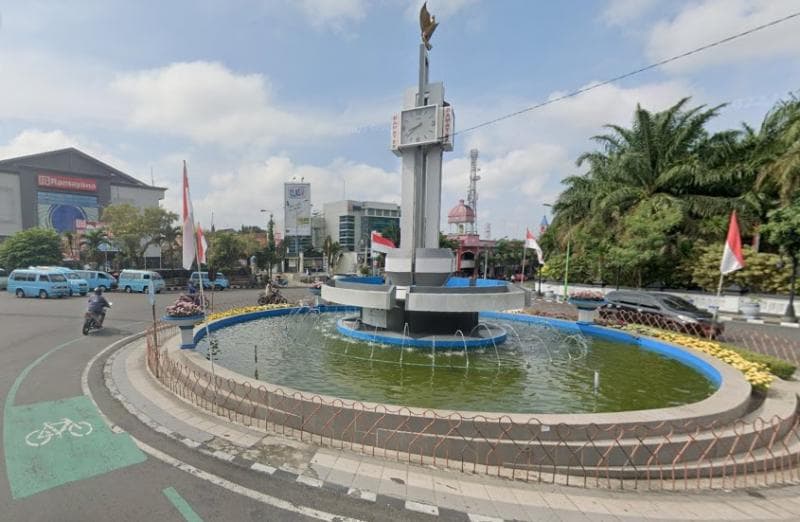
(490, 335)
(530, 373)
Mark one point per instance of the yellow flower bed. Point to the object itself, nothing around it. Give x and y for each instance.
(757, 374)
(245, 310)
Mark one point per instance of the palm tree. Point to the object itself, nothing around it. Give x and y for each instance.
(92, 241)
(779, 139)
(331, 250)
(167, 240)
(665, 162)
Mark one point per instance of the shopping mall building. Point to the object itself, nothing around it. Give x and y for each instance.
(64, 190)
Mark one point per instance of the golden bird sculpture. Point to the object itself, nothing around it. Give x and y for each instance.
(427, 25)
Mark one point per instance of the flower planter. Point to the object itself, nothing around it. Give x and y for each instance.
(586, 308)
(186, 324)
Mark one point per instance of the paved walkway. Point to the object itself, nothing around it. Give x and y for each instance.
(447, 494)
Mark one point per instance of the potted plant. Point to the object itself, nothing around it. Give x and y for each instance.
(586, 301)
(185, 312)
(750, 308)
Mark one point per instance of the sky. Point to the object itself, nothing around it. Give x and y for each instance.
(256, 93)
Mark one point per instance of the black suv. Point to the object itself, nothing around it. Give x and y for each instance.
(662, 310)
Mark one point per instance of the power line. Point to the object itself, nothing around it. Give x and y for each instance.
(631, 73)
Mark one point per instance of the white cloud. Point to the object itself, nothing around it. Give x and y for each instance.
(621, 12)
(236, 197)
(47, 87)
(441, 9)
(702, 23)
(34, 141)
(337, 15)
(210, 104)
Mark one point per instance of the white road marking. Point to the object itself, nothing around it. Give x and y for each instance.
(204, 475)
(419, 507)
(482, 518)
(263, 468)
(309, 481)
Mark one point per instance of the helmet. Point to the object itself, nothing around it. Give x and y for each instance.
(98, 291)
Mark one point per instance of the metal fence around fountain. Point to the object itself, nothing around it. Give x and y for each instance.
(748, 452)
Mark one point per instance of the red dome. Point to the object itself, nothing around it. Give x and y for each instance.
(461, 213)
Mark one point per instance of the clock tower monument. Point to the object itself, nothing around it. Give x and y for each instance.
(421, 132)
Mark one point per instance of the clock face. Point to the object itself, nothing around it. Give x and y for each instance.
(418, 125)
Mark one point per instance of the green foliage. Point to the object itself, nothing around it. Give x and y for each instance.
(783, 229)
(35, 246)
(133, 229)
(446, 242)
(225, 250)
(760, 273)
(91, 242)
(777, 367)
(656, 194)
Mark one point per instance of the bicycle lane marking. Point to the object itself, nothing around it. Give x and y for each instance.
(181, 505)
(47, 444)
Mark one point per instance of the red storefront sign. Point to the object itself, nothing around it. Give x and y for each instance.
(67, 183)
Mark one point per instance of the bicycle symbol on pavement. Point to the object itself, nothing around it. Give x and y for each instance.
(56, 429)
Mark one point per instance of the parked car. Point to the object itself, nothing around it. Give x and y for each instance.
(140, 281)
(37, 282)
(98, 279)
(220, 283)
(77, 284)
(662, 310)
(3, 279)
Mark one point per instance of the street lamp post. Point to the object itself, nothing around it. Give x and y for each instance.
(269, 258)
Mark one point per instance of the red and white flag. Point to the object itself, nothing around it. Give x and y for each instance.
(194, 244)
(380, 243)
(732, 259)
(530, 242)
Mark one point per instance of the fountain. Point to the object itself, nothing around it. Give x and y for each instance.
(418, 299)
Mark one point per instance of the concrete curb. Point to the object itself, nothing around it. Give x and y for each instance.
(286, 473)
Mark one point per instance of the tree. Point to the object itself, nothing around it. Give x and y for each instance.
(35, 246)
(225, 250)
(134, 230)
(783, 231)
(331, 250)
(91, 241)
(446, 242)
(780, 150)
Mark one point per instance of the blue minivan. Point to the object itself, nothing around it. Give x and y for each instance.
(41, 282)
(220, 283)
(77, 284)
(140, 281)
(98, 279)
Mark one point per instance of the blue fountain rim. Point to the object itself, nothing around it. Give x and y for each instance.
(421, 342)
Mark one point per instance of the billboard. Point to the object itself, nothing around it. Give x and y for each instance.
(55, 181)
(297, 209)
(60, 211)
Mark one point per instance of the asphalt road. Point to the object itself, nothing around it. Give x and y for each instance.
(79, 470)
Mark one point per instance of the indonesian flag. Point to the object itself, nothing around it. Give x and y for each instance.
(202, 245)
(380, 243)
(732, 259)
(530, 242)
(190, 234)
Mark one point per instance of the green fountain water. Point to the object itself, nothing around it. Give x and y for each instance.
(537, 370)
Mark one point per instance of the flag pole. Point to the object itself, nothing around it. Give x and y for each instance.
(524, 251)
(719, 288)
(188, 202)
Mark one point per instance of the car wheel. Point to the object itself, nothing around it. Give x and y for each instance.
(20, 292)
(83, 294)
(128, 289)
(70, 292)
(101, 287)
(42, 294)
(144, 289)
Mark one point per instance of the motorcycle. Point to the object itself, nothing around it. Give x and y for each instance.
(271, 296)
(89, 322)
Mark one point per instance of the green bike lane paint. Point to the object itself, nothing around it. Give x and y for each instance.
(48, 444)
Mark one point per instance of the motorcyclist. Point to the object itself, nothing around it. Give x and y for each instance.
(97, 306)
